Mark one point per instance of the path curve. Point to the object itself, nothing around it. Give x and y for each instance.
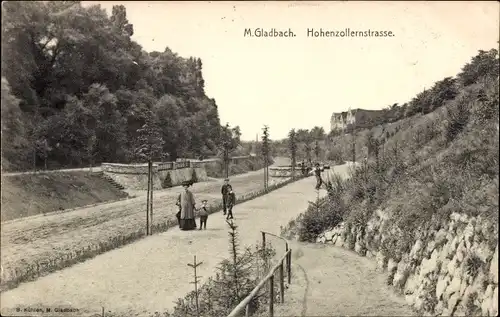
(341, 283)
(303, 313)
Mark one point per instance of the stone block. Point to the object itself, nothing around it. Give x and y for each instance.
(329, 235)
(452, 301)
(381, 260)
(415, 250)
(441, 286)
(494, 266)
(321, 239)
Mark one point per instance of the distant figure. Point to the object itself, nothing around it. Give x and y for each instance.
(203, 214)
(317, 173)
(231, 201)
(225, 191)
(303, 168)
(187, 205)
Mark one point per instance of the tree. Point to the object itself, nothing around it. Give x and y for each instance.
(302, 135)
(317, 150)
(14, 139)
(317, 133)
(292, 146)
(265, 154)
(308, 148)
(230, 140)
(485, 64)
(149, 146)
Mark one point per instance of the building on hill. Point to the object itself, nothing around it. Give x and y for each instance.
(360, 118)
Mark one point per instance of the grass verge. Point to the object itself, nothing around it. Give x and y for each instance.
(33, 194)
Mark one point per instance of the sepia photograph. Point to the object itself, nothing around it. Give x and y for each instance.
(249, 158)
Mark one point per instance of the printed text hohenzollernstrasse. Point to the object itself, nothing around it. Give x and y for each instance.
(348, 32)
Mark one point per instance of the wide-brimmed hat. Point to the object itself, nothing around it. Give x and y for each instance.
(226, 179)
(186, 183)
(204, 201)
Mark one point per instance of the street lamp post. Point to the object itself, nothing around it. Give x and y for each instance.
(226, 158)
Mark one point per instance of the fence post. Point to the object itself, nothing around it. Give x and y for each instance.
(289, 267)
(271, 296)
(282, 285)
(263, 241)
(247, 310)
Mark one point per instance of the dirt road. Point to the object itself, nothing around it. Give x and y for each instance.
(149, 275)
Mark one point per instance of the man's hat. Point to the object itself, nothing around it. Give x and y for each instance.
(204, 201)
(226, 179)
(186, 183)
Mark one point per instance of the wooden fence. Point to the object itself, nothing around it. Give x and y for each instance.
(287, 258)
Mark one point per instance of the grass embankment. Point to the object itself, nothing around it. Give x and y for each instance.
(443, 162)
(433, 166)
(28, 195)
(71, 237)
(216, 169)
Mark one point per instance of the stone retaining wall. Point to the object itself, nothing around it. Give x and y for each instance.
(134, 176)
(140, 181)
(452, 270)
(118, 168)
(286, 171)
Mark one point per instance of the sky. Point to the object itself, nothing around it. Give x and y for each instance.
(298, 82)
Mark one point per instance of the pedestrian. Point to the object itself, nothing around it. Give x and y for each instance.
(187, 205)
(317, 173)
(203, 212)
(225, 191)
(231, 201)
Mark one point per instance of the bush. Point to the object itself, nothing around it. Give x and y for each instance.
(167, 182)
(321, 214)
(335, 156)
(194, 177)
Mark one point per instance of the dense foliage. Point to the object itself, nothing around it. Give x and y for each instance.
(432, 165)
(306, 144)
(76, 89)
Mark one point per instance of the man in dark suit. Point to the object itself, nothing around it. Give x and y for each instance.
(317, 173)
(226, 188)
(231, 201)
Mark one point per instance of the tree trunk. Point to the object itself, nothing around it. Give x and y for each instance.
(151, 197)
(147, 202)
(34, 159)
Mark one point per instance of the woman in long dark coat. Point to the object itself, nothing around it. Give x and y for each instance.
(187, 205)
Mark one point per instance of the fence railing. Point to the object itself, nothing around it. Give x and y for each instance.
(287, 258)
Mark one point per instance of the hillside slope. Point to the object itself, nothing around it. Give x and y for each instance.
(31, 194)
(426, 202)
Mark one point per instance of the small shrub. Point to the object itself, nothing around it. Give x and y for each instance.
(167, 182)
(457, 117)
(473, 265)
(471, 308)
(237, 276)
(194, 177)
(335, 156)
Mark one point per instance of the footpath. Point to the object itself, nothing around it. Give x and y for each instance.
(332, 281)
(150, 274)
